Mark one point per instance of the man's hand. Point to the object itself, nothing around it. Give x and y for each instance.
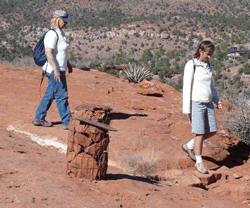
(57, 75)
(50, 58)
(219, 106)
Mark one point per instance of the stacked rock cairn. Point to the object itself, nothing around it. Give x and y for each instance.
(87, 154)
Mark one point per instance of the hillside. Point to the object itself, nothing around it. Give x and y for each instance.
(162, 35)
(148, 118)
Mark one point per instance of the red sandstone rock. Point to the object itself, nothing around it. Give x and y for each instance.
(97, 149)
(150, 89)
(85, 139)
(190, 180)
(237, 175)
(19, 102)
(83, 166)
(209, 178)
(149, 85)
(225, 172)
(96, 134)
(70, 156)
(77, 148)
(178, 177)
(103, 165)
(82, 139)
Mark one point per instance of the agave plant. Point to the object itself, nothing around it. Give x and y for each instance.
(134, 73)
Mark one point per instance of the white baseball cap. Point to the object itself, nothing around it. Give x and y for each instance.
(61, 14)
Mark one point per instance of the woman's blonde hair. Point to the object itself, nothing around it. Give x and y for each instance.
(54, 23)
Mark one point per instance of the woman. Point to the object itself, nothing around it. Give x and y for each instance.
(56, 50)
(199, 94)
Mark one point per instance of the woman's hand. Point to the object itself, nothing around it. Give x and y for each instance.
(189, 117)
(57, 75)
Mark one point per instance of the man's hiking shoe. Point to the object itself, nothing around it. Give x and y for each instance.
(201, 168)
(42, 123)
(65, 127)
(188, 151)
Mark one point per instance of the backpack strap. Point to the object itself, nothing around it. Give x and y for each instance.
(194, 65)
(193, 75)
(56, 34)
(44, 71)
(209, 63)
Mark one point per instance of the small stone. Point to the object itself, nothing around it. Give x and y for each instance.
(246, 202)
(209, 178)
(237, 175)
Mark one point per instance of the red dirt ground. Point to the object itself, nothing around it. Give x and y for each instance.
(147, 116)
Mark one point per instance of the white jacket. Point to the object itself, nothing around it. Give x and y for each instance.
(198, 86)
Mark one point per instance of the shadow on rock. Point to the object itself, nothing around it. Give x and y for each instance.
(238, 155)
(56, 123)
(120, 116)
(124, 176)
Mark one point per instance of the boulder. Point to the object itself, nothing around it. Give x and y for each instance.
(149, 89)
(164, 35)
(207, 179)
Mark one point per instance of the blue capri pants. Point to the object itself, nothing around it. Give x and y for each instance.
(203, 118)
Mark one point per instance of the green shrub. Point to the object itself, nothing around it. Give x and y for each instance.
(137, 34)
(108, 49)
(94, 65)
(83, 66)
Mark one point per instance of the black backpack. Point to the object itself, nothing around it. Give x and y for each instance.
(39, 51)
